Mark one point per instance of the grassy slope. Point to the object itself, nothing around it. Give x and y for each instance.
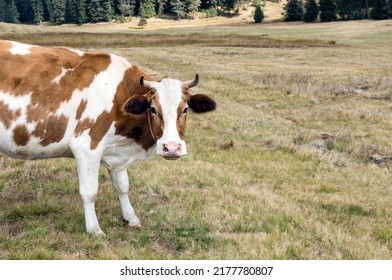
(286, 167)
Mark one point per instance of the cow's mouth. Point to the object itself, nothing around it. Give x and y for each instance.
(171, 157)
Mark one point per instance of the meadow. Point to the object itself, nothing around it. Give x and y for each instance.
(295, 163)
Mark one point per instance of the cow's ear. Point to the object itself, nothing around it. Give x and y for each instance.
(201, 103)
(136, 105)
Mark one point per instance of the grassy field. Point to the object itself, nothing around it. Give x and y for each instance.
(295, 163)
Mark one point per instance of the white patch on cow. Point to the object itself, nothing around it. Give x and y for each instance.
(78, 52)
(170, 93)
(99, 96)
(14, 103)
(19, 48)
(106, 84)
(59, 77)
(122, 151)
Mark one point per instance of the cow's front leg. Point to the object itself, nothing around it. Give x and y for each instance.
(88, 169)
(121, 184)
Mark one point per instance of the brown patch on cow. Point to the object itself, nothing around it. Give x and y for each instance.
(51, 130)
(16, 82)
(131, 84)
(81, 108)
(181, 119)
(82, 126)
(132, 126)
(99, 129)
(20, 135)
(5, 45)
(7, 116)
(185, 89)
(34, 114)
(90, 66)
(34, 74)
(156, 122)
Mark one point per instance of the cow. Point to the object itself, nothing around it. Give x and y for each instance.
(97, 108)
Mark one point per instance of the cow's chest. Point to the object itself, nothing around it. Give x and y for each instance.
(118, 156)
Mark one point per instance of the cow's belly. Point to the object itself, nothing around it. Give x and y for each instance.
(32, 149)
(20, 141)
(29, 131)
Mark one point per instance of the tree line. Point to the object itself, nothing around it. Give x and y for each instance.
(331, 10)
(83, 11)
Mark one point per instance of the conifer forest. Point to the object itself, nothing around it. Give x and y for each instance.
(92, 11)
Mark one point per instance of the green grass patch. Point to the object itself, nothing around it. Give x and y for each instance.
(185, 234)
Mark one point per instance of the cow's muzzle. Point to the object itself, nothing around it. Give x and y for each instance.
(172, 150)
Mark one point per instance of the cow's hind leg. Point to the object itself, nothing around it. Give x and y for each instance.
(121, 184)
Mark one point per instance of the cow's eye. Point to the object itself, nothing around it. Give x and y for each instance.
(185, 111)
(154, 111)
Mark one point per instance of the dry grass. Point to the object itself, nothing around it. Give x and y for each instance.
(293, 164)
(121, 40)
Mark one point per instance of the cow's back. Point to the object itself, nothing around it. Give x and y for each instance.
(46, 97)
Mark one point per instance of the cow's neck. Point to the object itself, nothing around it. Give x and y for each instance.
(135, 127)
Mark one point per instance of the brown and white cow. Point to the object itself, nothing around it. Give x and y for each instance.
(95, 107)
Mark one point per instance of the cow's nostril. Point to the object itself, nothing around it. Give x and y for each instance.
(172, 149)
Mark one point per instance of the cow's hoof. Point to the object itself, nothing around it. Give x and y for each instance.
(98, 233)
(137, 227)
(133, 225)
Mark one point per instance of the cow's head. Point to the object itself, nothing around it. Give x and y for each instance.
(166, 105)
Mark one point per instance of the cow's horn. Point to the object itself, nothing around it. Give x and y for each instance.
(194, 82)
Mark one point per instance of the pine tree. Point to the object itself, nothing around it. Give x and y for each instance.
(311, 11)
(161, 7)
(124, 7)
(132, 4)
(107, 10)
(178, 7)
(68, 11)
(24, 10)
(380, 10)
(328, 10)
(9, 12)
(191, 6)
(38, 10)
(94, 11)
(75, 11)
(143, 18)
(149, 8)
(56, 11)
(259, 15)
(2, 10)
(80, 11)
(293, 10)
